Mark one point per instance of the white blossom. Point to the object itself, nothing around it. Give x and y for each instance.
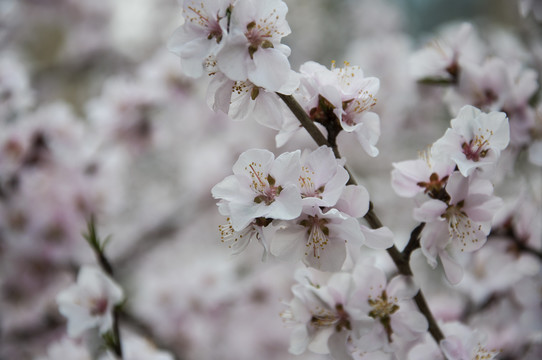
(90, 302)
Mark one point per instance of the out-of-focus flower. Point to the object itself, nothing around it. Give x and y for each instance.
(90, 302)
(461, 342)
(66, 349)
(136, 348)
(443, 58)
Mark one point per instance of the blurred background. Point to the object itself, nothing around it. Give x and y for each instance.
(97, 119)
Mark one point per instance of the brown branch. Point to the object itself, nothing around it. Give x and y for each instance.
(400, 260)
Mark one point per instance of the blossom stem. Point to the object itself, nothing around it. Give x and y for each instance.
(98, 246)
(401, 260)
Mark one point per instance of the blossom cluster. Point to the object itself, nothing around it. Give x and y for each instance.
(298, 206)
(454, 174)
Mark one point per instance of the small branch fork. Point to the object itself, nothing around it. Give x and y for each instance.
(401, 259)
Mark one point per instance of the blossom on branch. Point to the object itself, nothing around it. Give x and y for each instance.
(253, 46)
(260, 187)
(475, 140)
(90, 302)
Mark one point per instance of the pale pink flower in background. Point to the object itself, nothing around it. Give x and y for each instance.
(90, 302)
(462, 225)
(253, 46)
(484, 86)
(319, 239)
(445, 56)
(202, 34)
(411, 177)
(389, 307)
(16, 96)
(474, 141)
(523, 85)
(261, 186)
(136, 348)
(66, 348)
(462, 342)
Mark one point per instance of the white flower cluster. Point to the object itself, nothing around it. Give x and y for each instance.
(238, 42)
(298, 206)
(353, 313)
(454, 174)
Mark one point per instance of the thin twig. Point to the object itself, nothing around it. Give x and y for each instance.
(400, 260)
(98, 246)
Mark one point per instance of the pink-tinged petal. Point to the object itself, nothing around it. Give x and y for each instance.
(287, 205)
(482, 208)
(457, 187)
(286, 168)
(406, 176)
(453, 349)
(233, 188)
(497, 123)
(378, 239)
(369, 132)
(299, 340)
(354, 201)
(259, 159)
(233, 57)
(243, 214)
(269, 110)
(452, 269)
(430, 211)
(337, 346)
(464, 120)
(219, 93)
(289, 243)
(339, 286)
(334, 187)
(434, 238)
(370, 280)
(347, 230)
(330, 258)
(402, 287)
(318, 343)
(408, 325)
(291, 85)
(466, 167)
(270, 69)
(374, 340)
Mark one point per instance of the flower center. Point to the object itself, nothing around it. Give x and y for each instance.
(257, 36)
(98, 306)
(475, 150)
(325, 318)
(263, 185)
(383, 308)
(308, 189)
(212, 24)
(318, 233)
